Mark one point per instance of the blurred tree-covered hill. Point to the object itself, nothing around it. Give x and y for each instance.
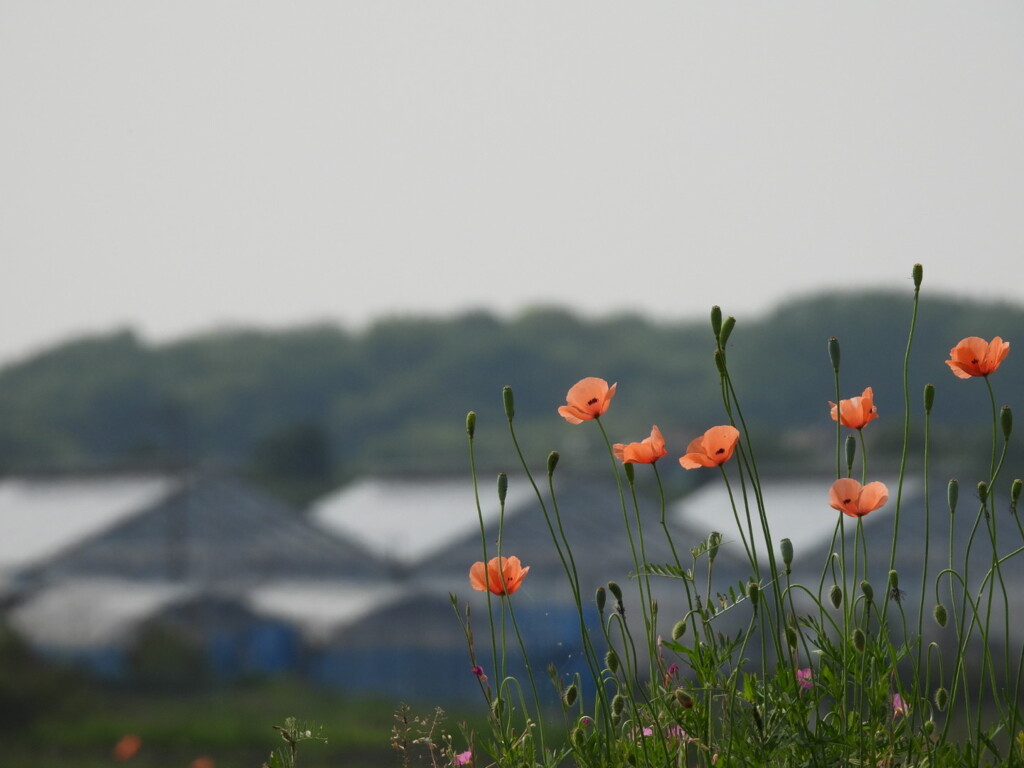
(307, 407)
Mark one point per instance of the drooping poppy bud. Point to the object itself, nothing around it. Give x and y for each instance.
(940, 615)
(611, 660)
(835, 594)
(941, 698)
(1015, 488)
(552, 462)
(859, 639)
(678, 630)
(600, 596)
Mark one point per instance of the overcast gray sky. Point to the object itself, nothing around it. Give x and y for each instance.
(176, 165)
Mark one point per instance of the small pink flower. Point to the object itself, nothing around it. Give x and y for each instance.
(900, 708)
(463, 758)
(479, 672)
(803, 678)
(676, 732)
(586, 722)
(672, 670)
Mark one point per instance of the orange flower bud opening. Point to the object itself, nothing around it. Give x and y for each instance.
(856, 412)
(647, 451)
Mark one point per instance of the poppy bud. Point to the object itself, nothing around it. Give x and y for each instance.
(1006, 421)
(579, 736)
(941, 698)
(611, 660)
(720, 362)
(600, 596)
(983, 491)
(929, 398)
(952, 494)
(727, 326)
(791, 636)
(868, 590)
(713, 542)
(509, 402)
(754, 593)
(502, 487)
(918, 274)
(833, 353)
(570, 695)
(618, 703)
(929, 727)
(859, 639)
(552, 462)
(786, 547)
(716, 323)
(1015, 489)
(630, 472)
(471, 424)
(615, 590)
(851, 451)
(678, 630)
(683, 699)
(894, 580)
(940, 615)
(835, 594)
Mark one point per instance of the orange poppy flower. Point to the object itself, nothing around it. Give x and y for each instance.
(847, 496)
(588, 399)
(126, 747)
(647, 451)
(856, 412)
(502, 576)
(713, 449)
(976, 357)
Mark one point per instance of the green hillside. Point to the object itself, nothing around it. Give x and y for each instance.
(307, 407)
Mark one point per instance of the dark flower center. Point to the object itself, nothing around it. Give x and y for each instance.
(591, 401)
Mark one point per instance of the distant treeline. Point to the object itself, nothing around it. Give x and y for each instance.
(310, 406)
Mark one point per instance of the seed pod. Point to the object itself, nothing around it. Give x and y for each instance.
(720, 362)
(835, 594)
(940, 615)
